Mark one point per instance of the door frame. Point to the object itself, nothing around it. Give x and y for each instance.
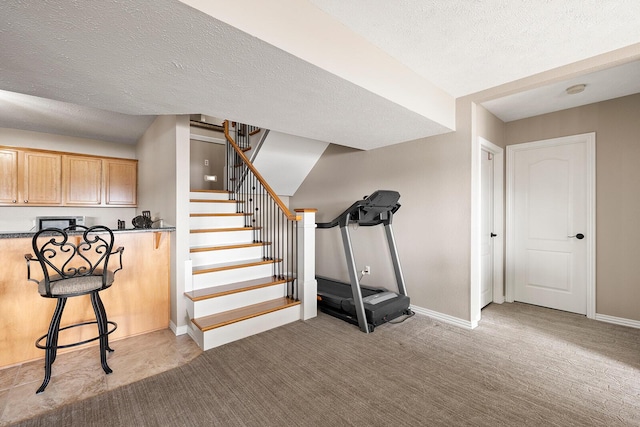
(590, 140)
(476, 229)
(498, 217)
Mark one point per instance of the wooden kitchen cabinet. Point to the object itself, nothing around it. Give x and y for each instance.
(82, 178)
(120, 177)
(42, 179)
(9, 174)
(30, 177)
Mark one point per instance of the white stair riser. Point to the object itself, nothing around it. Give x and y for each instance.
(208, 196)
(205, 207)
(232, 301)
(255, 325)
(200, 222)
(196, 334)
(216, 278)
(226, 255)
(220, 238)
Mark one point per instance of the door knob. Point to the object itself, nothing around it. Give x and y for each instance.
(493, 234)
(578, 236)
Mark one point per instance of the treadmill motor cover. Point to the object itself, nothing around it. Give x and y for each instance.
(380, 305)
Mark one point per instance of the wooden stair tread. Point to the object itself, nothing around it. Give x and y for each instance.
(215, 201)
(216, 230)
(210, 191)
(232, 288)
(232, 316)
(194, 215)
(227, 246)
(201, 269)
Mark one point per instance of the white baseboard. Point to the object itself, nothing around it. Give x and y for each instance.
(618, 320)
(466, 324)
(178, 330)
(472, 325)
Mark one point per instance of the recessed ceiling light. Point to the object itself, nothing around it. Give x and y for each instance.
(576, 89)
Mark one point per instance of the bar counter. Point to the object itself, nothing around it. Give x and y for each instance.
(138, 300)
(30, 234)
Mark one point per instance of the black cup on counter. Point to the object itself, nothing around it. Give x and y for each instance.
(121, 224)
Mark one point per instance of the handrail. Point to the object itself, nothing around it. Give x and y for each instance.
(259, 177)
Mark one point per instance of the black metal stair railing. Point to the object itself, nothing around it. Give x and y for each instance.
(272, 223)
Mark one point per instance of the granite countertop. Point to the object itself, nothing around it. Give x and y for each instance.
(21, 234)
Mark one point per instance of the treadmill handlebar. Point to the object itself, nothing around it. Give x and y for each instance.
(375, 209)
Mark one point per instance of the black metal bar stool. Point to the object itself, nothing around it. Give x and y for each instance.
(72, 270)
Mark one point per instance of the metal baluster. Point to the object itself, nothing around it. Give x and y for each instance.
(294, 253)
(275, 239)
(269, 224)
(280, 253)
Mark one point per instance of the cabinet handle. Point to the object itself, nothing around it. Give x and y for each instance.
(26, 201)
(14, 201)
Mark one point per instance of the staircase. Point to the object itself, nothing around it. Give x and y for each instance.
(249, 273)
(235, 293)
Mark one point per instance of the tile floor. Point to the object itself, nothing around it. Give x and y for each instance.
(77, 375)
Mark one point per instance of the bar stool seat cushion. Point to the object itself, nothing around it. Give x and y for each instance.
(76, 285)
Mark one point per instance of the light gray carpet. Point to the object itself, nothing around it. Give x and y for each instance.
(523, 365)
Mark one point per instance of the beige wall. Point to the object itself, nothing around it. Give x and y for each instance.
(433, 176)
(617, 126)
(432, 227)
(490, 127)
(163, 185)
(215, 154)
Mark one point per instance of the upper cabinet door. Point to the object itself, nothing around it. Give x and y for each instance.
(121, 178)
(32, 177)
(8, 176)
(42, 178)
(82, 180)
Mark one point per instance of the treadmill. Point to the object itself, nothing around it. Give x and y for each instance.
(364, 306)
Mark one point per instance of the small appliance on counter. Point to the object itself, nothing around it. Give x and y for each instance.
(61, 222)
(143, 221)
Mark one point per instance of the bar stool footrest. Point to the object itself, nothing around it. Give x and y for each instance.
(109, 322)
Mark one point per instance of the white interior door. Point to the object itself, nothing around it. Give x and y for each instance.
(486, 228)
(551, 223)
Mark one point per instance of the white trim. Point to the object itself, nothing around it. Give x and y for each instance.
(466, 324)
(591, 224)
(590, 139)
(306, 264)
(475, 279)
(498, 217)
(204, 138)
(178, 330)
(618, 320)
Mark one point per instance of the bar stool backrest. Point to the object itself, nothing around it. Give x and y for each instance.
(74, 252)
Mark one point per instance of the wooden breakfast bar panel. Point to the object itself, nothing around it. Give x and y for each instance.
(138, 300)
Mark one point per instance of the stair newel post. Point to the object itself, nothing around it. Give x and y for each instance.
(306, 268)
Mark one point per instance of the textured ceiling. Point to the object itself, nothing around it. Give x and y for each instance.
(28, 112)
(164, 57)
(610, 83)
(467, 46)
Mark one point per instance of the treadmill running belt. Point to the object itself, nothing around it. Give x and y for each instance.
(337, 300)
